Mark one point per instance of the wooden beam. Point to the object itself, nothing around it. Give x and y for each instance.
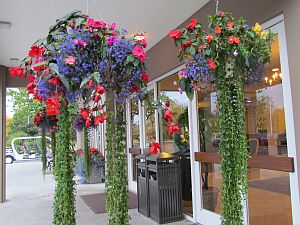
(135, 151)
(278, 163)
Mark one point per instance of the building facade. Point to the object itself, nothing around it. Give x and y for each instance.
(272, 124)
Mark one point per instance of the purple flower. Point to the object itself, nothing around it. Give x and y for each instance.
(180, 90)
(235, 53)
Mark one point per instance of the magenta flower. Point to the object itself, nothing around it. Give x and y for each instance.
(70, 60)
(80, 42)
(113, 26)
(180, 90)
(139, 53)
(111, 40)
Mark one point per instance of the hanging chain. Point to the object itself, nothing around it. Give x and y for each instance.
(217, 6)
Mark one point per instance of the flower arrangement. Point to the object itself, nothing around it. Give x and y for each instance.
(234, 52)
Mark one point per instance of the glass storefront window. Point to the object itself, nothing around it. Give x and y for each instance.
(135, 123)
(150, 119)
(209, 135)
(177, 143)
(269, 191)
(135, 131)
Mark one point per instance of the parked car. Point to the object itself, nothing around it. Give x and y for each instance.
(10, 156)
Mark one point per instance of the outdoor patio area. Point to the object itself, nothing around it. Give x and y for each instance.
(30, 197)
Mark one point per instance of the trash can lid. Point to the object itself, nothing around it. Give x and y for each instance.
(161, 156)
(141, 156)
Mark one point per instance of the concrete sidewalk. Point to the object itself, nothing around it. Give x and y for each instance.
(30, 198)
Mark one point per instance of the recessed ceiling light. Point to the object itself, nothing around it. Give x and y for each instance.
(14, 61)
(5, 25)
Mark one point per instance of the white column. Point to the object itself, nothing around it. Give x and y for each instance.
(2, 132)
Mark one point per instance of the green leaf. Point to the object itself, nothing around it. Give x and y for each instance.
(192, 51)
(53, 67)
(64, 80)
(136, 62)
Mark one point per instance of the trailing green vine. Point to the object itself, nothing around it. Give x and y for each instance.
(233, 146)
(43, 151)
(64, 201)
(87, 156)
(116, 177)
(53, 147)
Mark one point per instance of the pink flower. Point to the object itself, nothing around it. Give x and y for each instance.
(111, 40)
(89, 22)
(139, 53)
(80, 42)
(113, 26)
(70, 60)
(96, 24)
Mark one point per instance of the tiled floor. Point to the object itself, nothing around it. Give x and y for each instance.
(30, 198)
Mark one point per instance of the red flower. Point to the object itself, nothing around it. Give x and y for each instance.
(93, 149)
(17, 71)
(192, 25)
(188, 44)
(143, 42)
(31, 78)
(230, 24)
(222, 14)
(236, 40)
(172, 129)
(218, 30)
(145, 77)
(201, 47)
(88, 123)
(168, 103)
(30, 87)
(52, 107)
(85, 113)
(100, 119)
(54, 80)
(230, 40)
(79, 151)
(154, 148)
(211, 64)
(96, 98)
(36, 51)
(138, 52)
(96, 24)
(90, 83)
(168, 115)
(89, 22)
(175, 34)
(135, 88)
(209, 37)
(100, 89)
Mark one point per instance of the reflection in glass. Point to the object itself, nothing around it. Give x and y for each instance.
(269, 191)
(209, 142)
(150, 119)
(177, 143)
(135, 123)
(135, 131)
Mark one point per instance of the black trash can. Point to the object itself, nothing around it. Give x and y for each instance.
(142, 184)
(164, 187)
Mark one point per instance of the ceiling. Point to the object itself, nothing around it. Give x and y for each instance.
(31, 19)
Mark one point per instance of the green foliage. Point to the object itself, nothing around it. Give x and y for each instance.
(233, 146)
(43, 152)
(87, 156)
(25, 108)
(53, 147)
(116, 177)
(64, 202)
